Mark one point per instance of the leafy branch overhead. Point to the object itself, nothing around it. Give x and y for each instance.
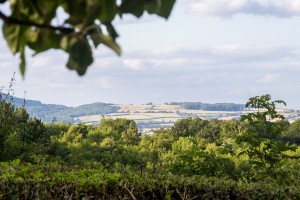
(31, 24)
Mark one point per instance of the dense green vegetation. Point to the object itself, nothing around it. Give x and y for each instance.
(210, 107)
(254, 158)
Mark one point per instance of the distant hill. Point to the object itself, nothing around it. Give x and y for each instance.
(209, 107)
(61, 113)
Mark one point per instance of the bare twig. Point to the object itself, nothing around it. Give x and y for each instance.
(184, 195)
(11, 20)
(130, 192)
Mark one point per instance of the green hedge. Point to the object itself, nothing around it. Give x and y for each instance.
(54, 181)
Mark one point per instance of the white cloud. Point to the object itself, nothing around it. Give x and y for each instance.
(269, 78)
(228, 8)
(213, 74)
(105, 63)
(103, 82)
(57, 85)
(134, 64)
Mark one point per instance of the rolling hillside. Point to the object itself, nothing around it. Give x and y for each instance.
(61, 113)
(147, 116)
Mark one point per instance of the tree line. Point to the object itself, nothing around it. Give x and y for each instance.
(209, 107)
(60, 113)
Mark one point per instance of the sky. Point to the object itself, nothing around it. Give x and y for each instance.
(207, 51)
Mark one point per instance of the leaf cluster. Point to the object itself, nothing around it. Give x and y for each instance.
(36, 25)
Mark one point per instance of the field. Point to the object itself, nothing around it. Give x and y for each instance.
(149, 117)
(158, 113)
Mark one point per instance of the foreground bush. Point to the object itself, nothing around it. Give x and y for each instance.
(55, 181)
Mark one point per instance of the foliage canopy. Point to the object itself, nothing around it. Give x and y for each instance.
(195, 159)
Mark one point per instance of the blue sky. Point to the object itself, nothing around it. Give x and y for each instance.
(208, 51)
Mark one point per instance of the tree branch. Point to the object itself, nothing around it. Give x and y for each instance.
(130, 192)
(10, 20)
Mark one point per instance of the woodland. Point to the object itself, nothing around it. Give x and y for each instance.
(256, 157)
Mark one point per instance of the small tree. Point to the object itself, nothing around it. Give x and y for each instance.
(131, 136)
(8, 122)
(261, 141)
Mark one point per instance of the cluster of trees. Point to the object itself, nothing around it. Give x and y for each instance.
(261, 148)
(20, 135)
(210, 107)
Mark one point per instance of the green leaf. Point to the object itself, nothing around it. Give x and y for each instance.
(11, 33)
(153, 6)
(80, 55)
(135, 7)
(15, 36)
(107, 40)
(64, 43)
(94, 35)
(111, 30)
(40, 40)
(16, 39)
(46, 10)
(108, 11)
(73, 8)
(23, 63)
(166, 8)
(93, 9)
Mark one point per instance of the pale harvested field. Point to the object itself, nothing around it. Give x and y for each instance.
(166, 108)
(90, 118)
(135, 116)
